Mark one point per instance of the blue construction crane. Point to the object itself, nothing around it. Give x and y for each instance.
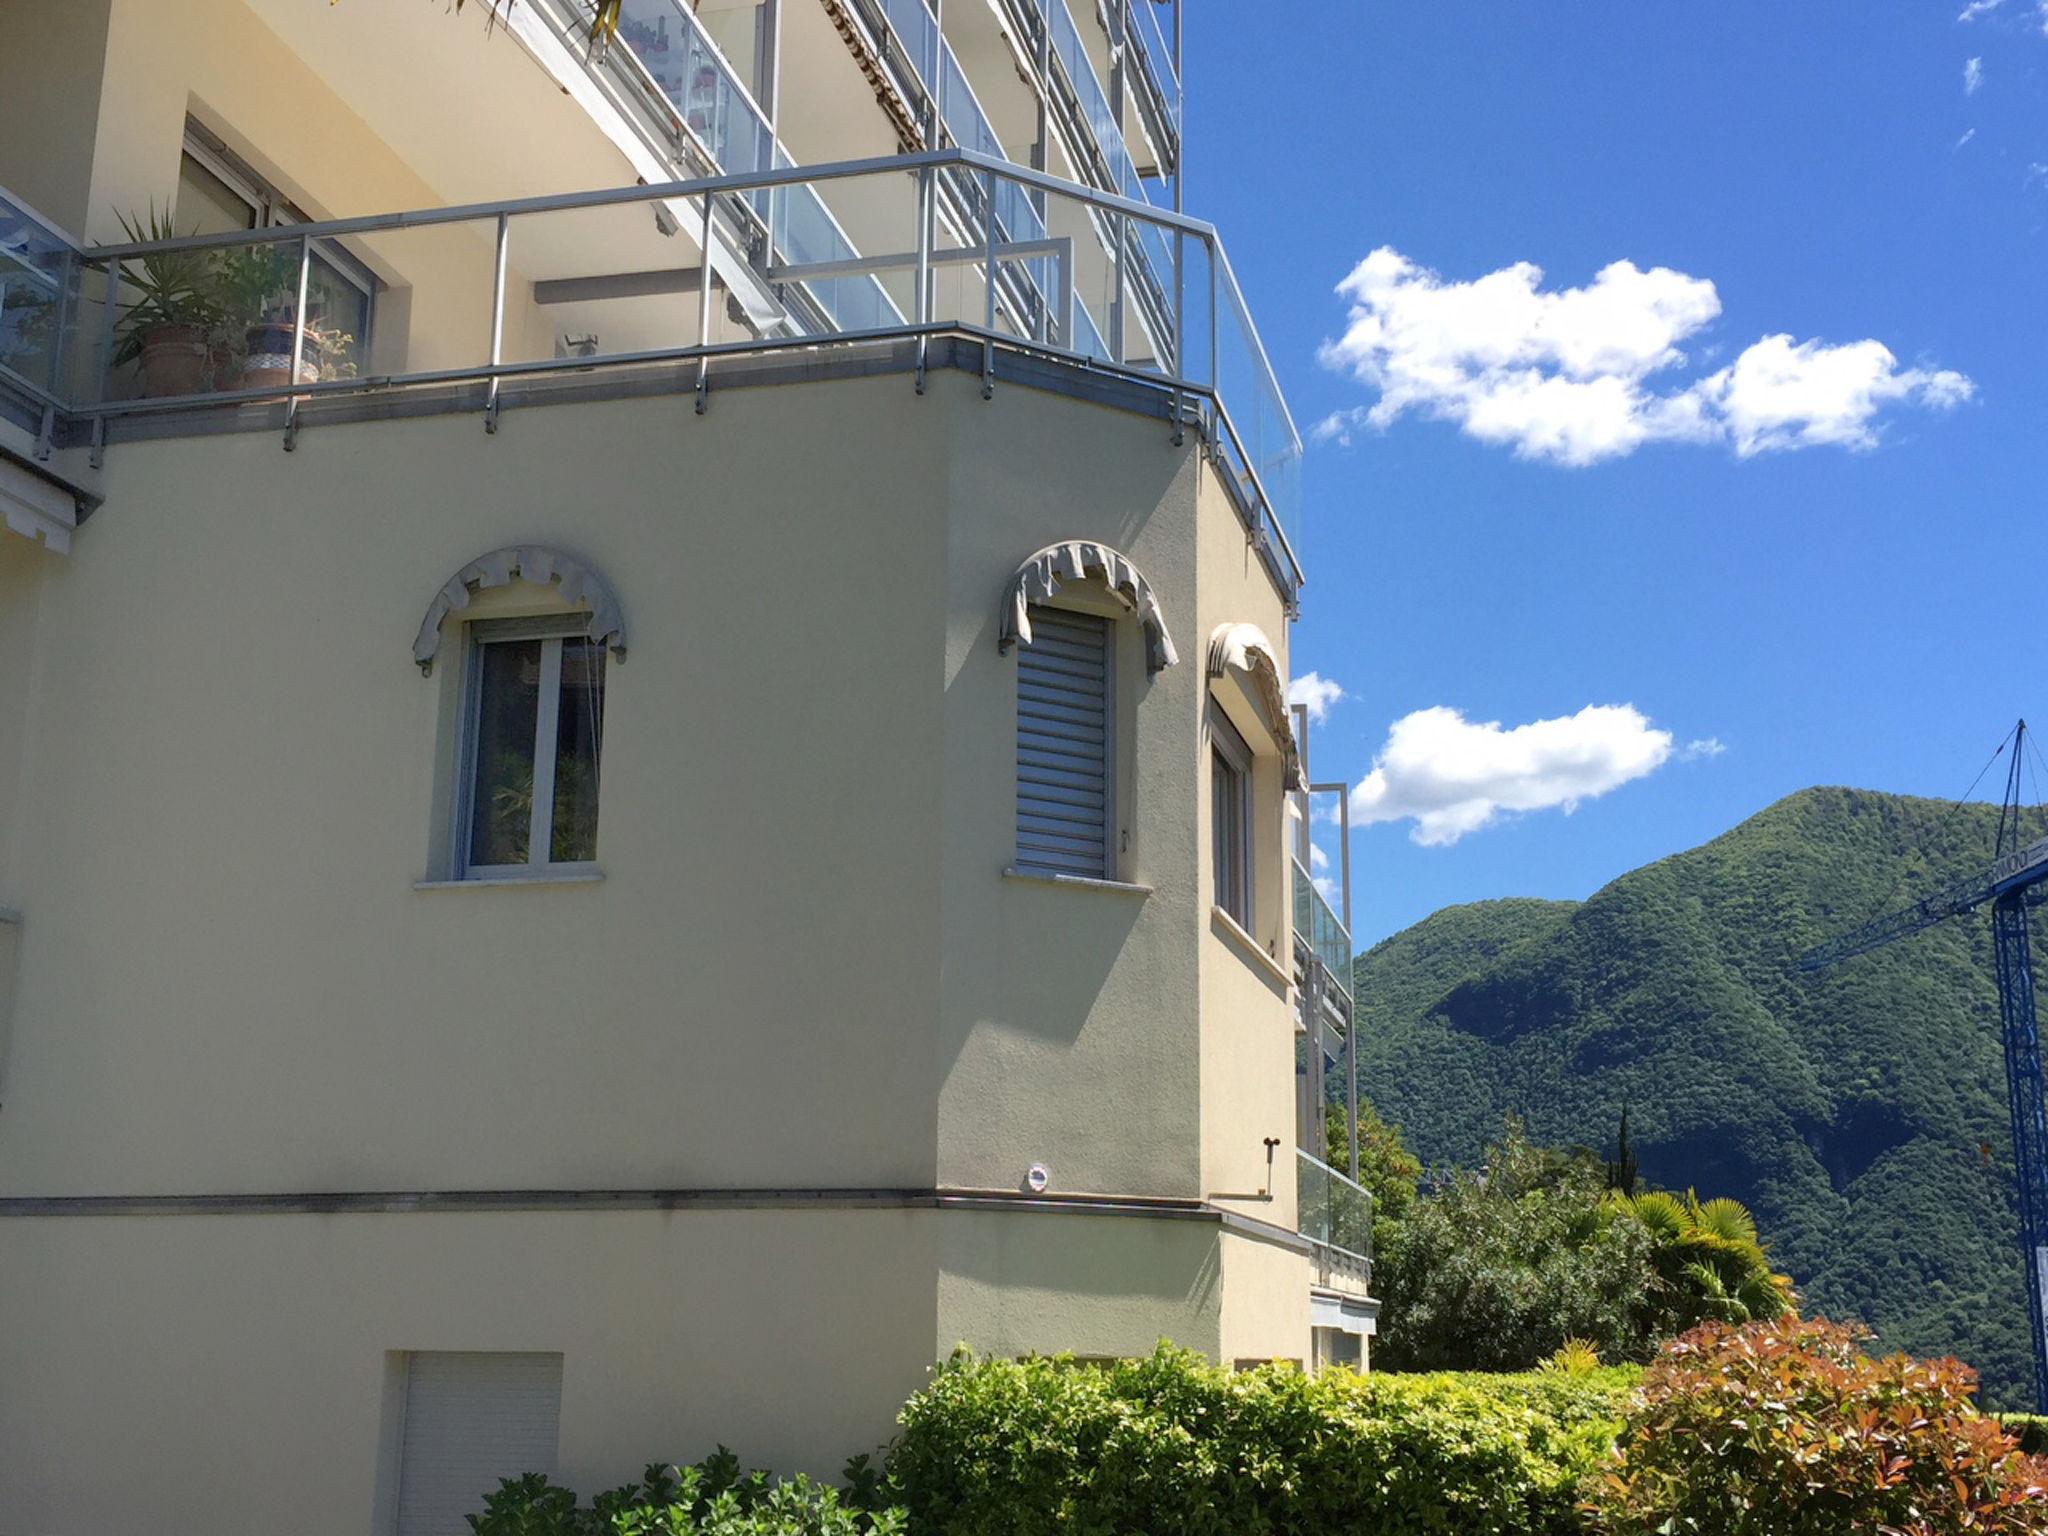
(2016, 880)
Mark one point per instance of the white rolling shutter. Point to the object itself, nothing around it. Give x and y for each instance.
(1064, 722)
(470, 1420)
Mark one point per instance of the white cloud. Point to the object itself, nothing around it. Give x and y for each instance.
(1978, 8)
(1316, 692)
(1973, 76)
(1968, 134)
(2041, 15)
(1566, 374)
(1451, 776)
(1780, 395)
(1702, 747)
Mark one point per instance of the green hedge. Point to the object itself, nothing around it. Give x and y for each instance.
(1173, 1444)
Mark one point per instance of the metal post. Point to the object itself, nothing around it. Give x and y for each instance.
(768, 60)
(497, 321)
(1351, 1079)
(1121, 224)
(111, 303)
(921, 306)
(291, 405)
(1180, 115)
(988, 344)
(1344, 854)
(1180, 328)
(704, 312)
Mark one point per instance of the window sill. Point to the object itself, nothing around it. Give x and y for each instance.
(1082, 882)
(565, 877)
(1249, 947)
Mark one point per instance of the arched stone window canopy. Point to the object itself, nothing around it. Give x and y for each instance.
(1245, 648)
(1039, 578)
(580, 587)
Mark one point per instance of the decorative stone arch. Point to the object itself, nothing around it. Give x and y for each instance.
(579, 585)
(1039, 578)
(1244, 648)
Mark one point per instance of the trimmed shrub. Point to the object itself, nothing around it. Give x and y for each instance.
(1787, 1428)
(1173, 1444)
(713, 1497)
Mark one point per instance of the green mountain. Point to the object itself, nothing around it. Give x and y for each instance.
(1860, 1113)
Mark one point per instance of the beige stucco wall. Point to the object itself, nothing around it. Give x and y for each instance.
(1247, 1055)
(804, 966)
(1265, 1301)
(203, 1373)
(50, 60)
(1017, 1284)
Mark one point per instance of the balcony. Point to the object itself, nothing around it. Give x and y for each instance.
(1335, 1214)
(491, 303)
(1317, 925)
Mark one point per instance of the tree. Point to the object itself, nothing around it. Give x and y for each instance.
(1496, 1270)
(1621, 1173)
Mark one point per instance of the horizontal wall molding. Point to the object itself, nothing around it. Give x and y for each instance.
(484, 1201)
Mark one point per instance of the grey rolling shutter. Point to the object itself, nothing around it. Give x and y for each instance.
(1063, 736)
(470, 1420)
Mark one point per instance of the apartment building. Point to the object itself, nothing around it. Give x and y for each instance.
(644, 769)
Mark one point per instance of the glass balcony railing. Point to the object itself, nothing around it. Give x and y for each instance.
(479, 278)
(1331, 1210)
(1155, 54)
(1317, 922)
(35, 281)
(665, 39)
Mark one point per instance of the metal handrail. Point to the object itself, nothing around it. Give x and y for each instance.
(609, 197)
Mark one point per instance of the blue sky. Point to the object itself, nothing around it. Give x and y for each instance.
(1592, 501)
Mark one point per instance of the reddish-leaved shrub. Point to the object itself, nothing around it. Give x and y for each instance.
(1787, 1428)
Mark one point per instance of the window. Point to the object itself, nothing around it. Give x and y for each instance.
(532, 748)
(1230, 801)
(1065, 726)
(218, 193)
(468, 1420)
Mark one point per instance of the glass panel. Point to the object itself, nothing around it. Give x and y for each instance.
(579, 732)
(508, 716)
(1227, 801)
(207, 205)
(32, 296)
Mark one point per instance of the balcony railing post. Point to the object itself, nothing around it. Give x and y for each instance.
(1180, 327)
(104, 368)
(291, 405)
(1120, 224)
(988, 318)
(497, 321)
(704, 308)
(921, 302)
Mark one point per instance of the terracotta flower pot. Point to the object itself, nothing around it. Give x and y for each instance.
(174, 360)
(269, 360)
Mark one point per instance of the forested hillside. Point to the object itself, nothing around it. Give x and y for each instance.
(1859, 1112)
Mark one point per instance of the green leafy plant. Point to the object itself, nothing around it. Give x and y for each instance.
(1170, 1443)
(713, 1497)
(1786, 1428)
(170, 288)
(1495, 1270)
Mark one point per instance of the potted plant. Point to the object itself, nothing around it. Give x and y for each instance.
(256, 285)
(166, 326)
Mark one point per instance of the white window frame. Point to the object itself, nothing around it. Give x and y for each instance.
(551, 631)
(1234, 885)
(271, 209)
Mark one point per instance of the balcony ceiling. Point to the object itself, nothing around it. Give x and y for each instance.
(474, 115)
